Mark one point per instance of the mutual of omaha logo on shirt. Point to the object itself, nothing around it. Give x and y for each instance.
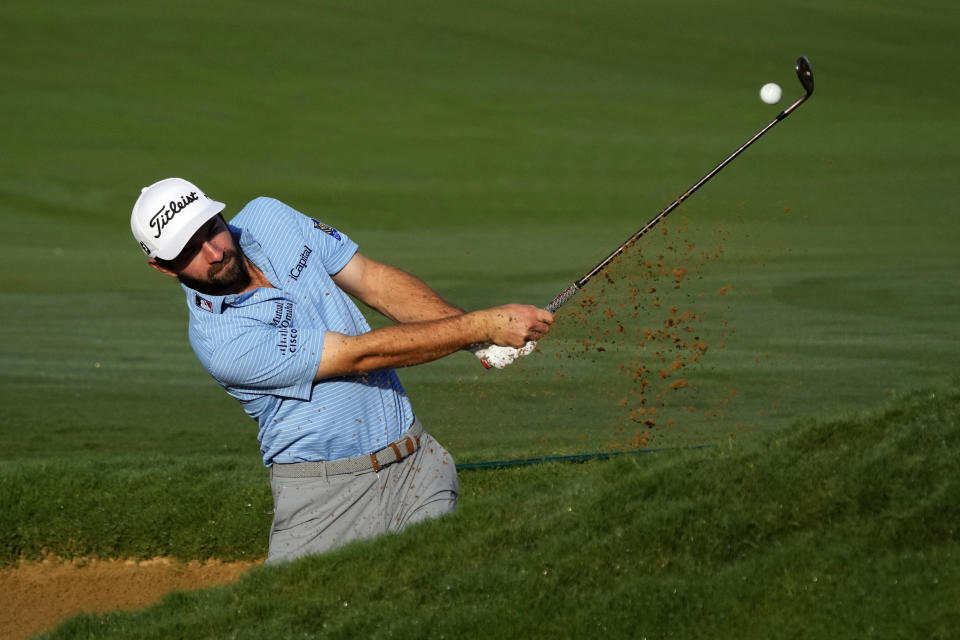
(287, 341)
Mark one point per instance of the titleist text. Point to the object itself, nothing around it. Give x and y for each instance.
(163, 217)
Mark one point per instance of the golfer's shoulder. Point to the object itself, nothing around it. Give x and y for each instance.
(264, 212)
(265, 217)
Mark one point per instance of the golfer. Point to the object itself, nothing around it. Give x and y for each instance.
(272, 322)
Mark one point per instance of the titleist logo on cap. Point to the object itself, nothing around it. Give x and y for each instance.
(163, 217)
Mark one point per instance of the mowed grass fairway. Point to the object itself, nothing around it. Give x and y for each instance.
(499, 150)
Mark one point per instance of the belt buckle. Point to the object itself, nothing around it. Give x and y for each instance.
(410, 443)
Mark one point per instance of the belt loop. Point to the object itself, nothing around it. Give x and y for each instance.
(323, 469)
(396, 450)
(374, 463)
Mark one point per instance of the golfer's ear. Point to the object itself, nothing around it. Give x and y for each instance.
(153, 263)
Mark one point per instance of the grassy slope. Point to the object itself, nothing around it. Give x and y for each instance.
(844, 528)
(186, 507)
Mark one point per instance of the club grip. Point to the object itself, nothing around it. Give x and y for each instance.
(563, 298)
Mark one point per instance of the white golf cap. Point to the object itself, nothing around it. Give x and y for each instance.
(167, 214)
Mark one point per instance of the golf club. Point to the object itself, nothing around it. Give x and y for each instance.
(804, 73)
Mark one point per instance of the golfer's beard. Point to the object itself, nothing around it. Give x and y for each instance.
(230, 275)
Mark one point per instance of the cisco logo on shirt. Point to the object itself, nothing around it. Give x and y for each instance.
(287, 339)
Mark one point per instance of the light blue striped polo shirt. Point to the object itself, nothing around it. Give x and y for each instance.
(264, 346)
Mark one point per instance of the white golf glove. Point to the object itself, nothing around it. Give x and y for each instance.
(499, 357)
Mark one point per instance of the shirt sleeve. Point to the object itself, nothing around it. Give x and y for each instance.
(337, 248)
(277, 223)
(270, 360)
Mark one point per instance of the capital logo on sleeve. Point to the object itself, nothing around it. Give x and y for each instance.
(327, 229)
(303, 258)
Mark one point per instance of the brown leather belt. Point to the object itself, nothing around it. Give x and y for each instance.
(391, 453)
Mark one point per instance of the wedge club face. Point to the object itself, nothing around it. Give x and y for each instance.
(805, 73)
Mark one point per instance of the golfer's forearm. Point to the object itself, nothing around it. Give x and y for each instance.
(396, 294)
(405, 298)
(401, 345)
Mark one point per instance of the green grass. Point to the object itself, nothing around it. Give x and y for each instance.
(498, 151)
(843, 528)
(186, 507)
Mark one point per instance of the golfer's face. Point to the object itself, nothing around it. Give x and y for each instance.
(210, 253)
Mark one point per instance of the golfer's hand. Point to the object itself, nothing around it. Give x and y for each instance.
(513, 331)
(514, 325)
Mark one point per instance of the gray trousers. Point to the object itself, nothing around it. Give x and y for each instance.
(316, 514)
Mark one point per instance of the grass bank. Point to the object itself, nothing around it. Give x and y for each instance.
(135, 507)
(844, 528)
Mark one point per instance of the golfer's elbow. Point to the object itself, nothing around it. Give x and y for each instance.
(342, 357)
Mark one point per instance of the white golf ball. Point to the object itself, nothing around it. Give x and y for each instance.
(770, 93)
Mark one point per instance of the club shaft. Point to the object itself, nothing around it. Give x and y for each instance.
(570, 291)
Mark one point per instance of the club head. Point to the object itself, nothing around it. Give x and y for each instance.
(805, 73)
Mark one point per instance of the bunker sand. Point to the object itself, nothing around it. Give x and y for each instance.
(40, 595)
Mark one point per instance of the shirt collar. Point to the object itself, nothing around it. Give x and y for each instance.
(216, 304)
